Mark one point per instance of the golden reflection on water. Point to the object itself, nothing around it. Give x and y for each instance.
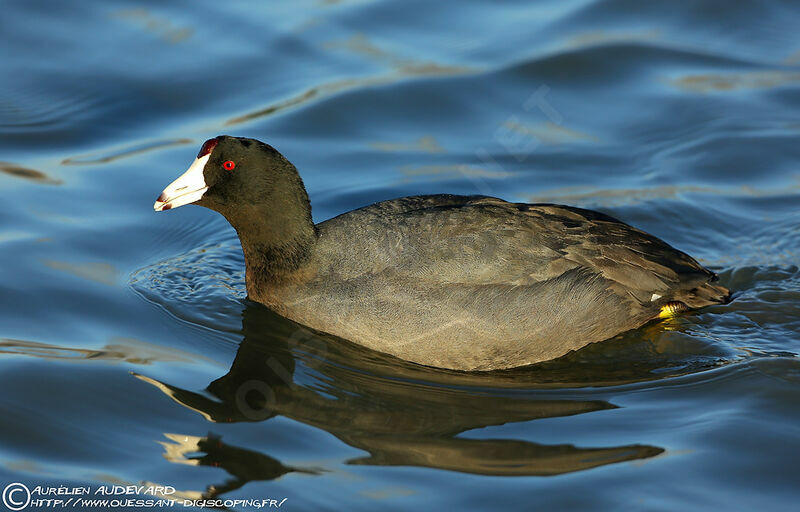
(432, 172)
(630, 196)
(161, 27)
(99, 272)
(330, 88)
(426, 144)
(106, 156)
(401, 68)
(745, 80)
(361, 45)
(26, 173)
(598, 37)
(549, 132)
(118, 349)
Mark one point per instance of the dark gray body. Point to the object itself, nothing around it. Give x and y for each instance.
(477, 283)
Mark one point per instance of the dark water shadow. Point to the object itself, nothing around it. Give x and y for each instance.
(411, 416)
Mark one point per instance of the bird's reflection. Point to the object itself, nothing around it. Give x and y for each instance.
(397, 412)
(243, 465)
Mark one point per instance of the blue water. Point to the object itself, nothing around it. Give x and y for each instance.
(129, 354)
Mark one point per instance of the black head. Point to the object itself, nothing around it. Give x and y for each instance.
(232, 174)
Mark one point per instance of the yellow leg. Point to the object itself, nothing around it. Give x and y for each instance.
(672, 308)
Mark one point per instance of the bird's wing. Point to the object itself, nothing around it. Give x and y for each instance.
(482, 240)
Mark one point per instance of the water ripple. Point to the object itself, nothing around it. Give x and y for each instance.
(204, 286)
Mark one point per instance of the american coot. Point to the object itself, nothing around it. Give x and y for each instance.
(461, 282)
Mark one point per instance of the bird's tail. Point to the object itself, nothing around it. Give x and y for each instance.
(705, 295)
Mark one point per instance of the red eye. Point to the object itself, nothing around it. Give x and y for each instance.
(228, 165)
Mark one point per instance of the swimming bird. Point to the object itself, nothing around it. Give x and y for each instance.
(460, 282)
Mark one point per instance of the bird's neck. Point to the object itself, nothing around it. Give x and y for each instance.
(278, 239)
